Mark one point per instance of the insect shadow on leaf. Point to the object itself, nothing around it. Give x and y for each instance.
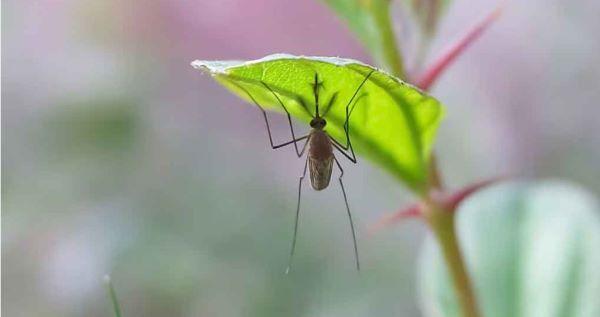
(320, 144)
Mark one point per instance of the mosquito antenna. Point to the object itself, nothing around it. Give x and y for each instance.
(331, 102)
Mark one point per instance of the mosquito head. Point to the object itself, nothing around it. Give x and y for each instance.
(318, 123)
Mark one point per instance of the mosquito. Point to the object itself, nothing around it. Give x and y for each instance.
(320, 157)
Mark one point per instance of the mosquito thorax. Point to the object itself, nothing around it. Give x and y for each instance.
(318, 123)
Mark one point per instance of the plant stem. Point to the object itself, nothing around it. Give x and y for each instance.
(442, 223)
(440, 220)
(435, 176)
(392, 56)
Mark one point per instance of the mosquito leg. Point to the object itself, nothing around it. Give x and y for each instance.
(349, 214)
(277, 146)
(354, 105)
(287, 270)
(273, 146)
(340, 148)
(288, 142)
(289, 117)
(348, 145)
(304, 148)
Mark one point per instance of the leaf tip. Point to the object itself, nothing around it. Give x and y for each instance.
(213, 67)
(202, 65)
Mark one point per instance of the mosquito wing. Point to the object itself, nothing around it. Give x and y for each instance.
(320, 172)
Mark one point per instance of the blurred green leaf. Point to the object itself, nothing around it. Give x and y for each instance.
(393, 123)
(97, 126)
(371, 21)
(92, 144)
(428, 13)
(533, 249)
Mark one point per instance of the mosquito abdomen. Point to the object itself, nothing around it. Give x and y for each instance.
(320, 159)
(320, 173)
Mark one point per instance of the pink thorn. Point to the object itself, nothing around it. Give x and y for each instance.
(452, 201)
(449, 202)
(433, 72)
(413, 211)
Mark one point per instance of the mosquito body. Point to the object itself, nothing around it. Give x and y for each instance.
(320, 157)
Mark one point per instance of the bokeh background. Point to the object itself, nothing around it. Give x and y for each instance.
(119, 158)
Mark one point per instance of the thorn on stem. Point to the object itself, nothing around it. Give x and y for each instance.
(454, 200)
(413, 211)
(433, 71)
(449, 201)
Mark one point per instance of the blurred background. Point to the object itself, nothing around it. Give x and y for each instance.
(119, 158)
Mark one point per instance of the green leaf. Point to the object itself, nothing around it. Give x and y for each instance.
(533, 249)
(393, 123)
(370, 20)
